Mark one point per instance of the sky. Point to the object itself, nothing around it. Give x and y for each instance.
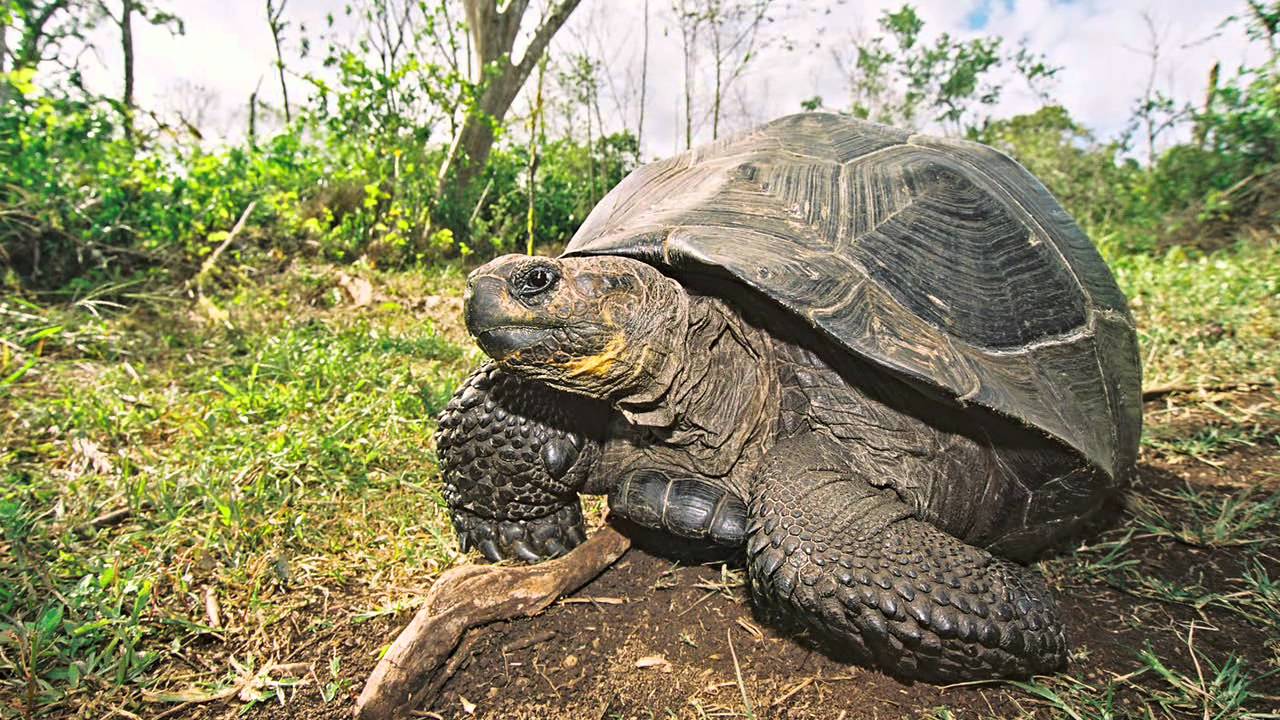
(1103, 46)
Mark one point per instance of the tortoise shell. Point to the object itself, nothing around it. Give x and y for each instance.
(939, 259)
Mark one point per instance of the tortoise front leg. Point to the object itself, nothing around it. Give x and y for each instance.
(852, 562)
(513, 455)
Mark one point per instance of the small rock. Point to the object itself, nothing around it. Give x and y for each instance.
(570, 661)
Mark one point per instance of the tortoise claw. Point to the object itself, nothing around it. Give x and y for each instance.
(489, 549)
(521, 549)
(554, 547)
(530, 541)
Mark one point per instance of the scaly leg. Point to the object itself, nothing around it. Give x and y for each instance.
(513, 454)
(851, 561)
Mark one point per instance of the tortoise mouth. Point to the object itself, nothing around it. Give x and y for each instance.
(506, 340)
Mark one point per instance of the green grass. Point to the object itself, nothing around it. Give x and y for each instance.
(1206, 319)
(152, 458)
(1156, 689)
(291, 450)
(1208, 520)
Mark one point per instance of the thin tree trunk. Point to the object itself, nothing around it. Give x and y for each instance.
(644, 81)
(273, 20)
(1211, 93)
(688, 35)
(535, 117)
(715, 107)
(126, 46)
(253, 115)
(591, 160)
(5, 89)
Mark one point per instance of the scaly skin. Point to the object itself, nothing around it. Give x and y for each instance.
(513, 455)
(851, 562)
(688, 507)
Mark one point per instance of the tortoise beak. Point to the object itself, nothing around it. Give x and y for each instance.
(500, 324)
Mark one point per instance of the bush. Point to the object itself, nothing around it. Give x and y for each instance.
(82, 203)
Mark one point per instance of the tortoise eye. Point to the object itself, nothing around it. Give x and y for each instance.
(535, 281)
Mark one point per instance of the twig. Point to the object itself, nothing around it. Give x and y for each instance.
(207, 266)
(795, 689)
(176, 709)
(592, 601)
(1159, 391)
(107, 519)
(737, 671)
(535, 639)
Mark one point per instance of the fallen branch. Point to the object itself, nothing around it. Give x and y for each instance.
(210, 263)
(107, 519)
(1158, 391)
(467, 597)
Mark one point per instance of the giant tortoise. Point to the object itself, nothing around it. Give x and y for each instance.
(889, 367)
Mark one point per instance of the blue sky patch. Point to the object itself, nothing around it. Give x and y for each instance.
(978, 17)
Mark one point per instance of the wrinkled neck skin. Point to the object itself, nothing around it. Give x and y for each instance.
(710, 405)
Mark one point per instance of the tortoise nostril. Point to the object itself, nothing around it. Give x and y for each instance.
(535, 281)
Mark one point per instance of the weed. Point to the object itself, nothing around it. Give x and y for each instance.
(1202, 518)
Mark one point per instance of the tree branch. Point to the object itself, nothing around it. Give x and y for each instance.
(542, 37)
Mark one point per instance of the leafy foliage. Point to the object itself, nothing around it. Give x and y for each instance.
(899, 78)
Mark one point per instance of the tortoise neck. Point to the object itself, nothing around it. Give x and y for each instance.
(722, 388)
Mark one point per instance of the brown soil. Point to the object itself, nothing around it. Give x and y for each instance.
(652, 637)
(588, 660)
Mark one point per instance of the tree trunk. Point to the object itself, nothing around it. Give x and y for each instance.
(253, 116)
(715, 108)
(688, 36)
(5, 89)
(644, 82)
(273, 19)
(126, 46)
(535, 117)
(591, 162)
(492, 34)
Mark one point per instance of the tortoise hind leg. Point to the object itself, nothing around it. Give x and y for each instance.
(851, 562)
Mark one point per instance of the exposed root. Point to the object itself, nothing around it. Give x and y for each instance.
(467, 597)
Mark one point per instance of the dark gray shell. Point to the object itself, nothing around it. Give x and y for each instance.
(941, 259)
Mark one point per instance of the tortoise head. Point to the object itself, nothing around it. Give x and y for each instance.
(599, 326)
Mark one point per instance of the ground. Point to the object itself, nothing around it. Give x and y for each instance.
(226, 507)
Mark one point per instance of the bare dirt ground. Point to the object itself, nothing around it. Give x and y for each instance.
(1170, 614)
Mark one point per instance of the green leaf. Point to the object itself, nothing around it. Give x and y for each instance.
(50, 621)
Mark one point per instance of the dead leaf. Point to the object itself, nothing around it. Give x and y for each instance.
(358, 290)
(89, 455)
(652, 661)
